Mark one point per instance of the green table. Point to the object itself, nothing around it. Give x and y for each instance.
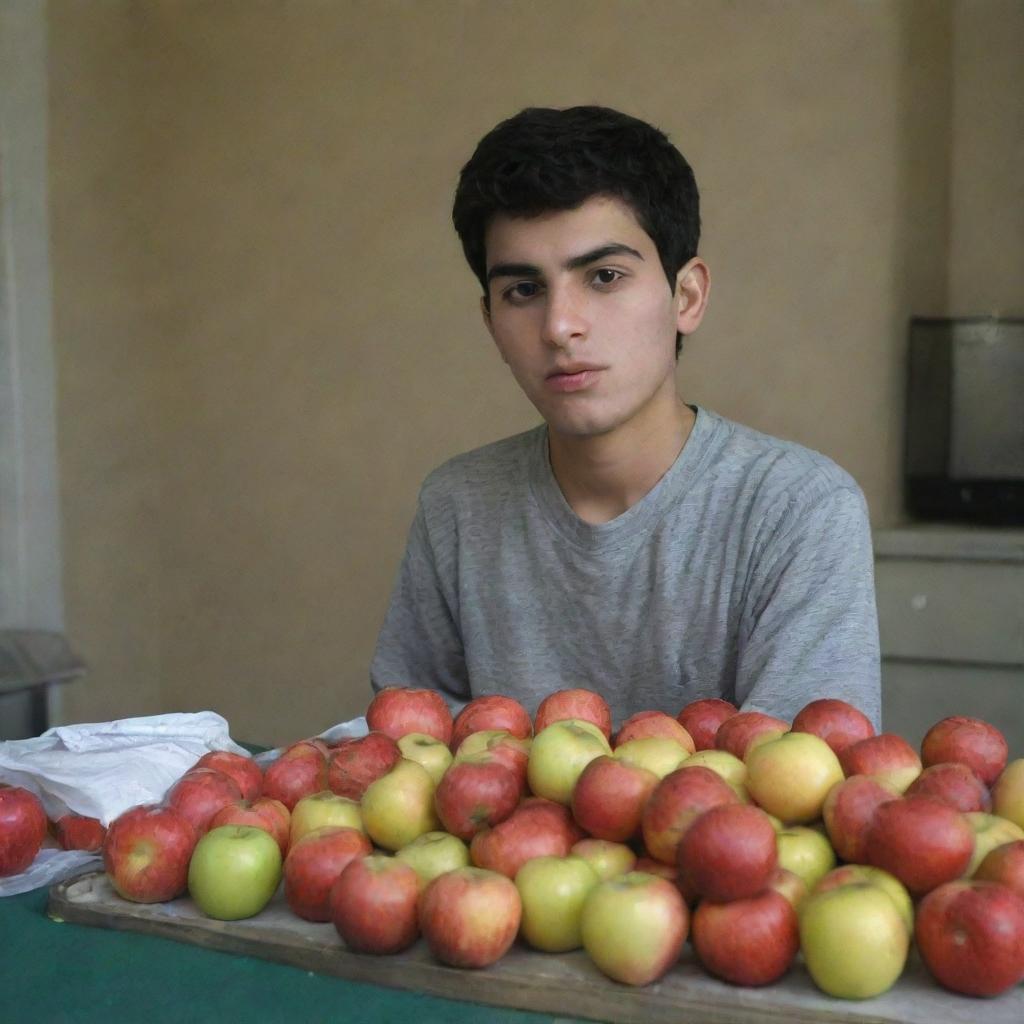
(66, 972)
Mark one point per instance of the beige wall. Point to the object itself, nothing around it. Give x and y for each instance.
(266, 335)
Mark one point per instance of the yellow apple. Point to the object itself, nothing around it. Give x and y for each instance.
(476, 742)
(849, 874)
(553, 891)
(399, 806)
(324, 808)
(791, 776)
(1008, 793)
(434, 853)
(608, 859)
(990, 831)
(427, 751)
(729, 766)
(854, 940)
(559, 754)
(655, 753)
(805, 852)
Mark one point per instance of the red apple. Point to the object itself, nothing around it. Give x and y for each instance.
(674, 805)
(585, 705)
(749, 941)
(22, 829)
(537, 828)
(200, 793)
(887, 757)
(314, 863)
(1005, 865)
(839, 724)
(728, 853)
(954, 784)
(244, 770)
(970, 741)
(849, 810)
(353, 766)
(146, 853)
(971, 937)
(300, 771)
(921, 841)
(645, 724)
(373, 904)
(475, 794)
(470, 916)
(77, 832)
(264, 812)
(609, 797)
(701, 719)
(740, 733)
(398, 710)
(491, 712)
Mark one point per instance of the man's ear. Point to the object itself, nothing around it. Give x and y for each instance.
(693, 286)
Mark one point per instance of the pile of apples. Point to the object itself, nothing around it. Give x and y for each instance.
(755, 838)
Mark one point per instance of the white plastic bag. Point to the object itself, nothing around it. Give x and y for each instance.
(100, 770)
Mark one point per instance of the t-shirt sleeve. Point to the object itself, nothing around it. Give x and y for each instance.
(419, 643)
(810, 626)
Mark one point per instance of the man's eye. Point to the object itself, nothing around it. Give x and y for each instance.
(522, 290)
(606, 276)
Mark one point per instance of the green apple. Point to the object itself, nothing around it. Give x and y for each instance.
(657, 754)
(850, 873)
(805, 852)
(1008, 793)
(559, 754)
(234, 871)
(399, 806)
(608, 859)
(434, 853)
(553, 890)
(320, 809)
(791, 776)
(729, 766)
(990, 831)
(427, 751)
(854, 940)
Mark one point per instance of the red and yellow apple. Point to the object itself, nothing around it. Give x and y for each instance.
(373, 904)
(470, 916)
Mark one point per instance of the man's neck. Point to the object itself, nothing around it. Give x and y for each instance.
(603, 476)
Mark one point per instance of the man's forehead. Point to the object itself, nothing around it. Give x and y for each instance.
(559, 235)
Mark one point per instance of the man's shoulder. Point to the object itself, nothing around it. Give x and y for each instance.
(488, 471)
(776, 469)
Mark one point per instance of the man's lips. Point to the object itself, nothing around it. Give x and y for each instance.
(573, 378)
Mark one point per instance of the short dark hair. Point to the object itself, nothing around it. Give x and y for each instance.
(545, 159)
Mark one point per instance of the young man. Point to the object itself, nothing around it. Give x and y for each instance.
(632, 544)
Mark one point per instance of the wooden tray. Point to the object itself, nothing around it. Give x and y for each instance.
(558, 984)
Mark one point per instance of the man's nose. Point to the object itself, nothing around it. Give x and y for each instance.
(564, 317)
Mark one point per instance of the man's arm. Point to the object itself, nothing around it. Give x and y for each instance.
(420, 644)
(810, 627)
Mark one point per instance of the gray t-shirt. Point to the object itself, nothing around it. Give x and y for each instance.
(745, 573)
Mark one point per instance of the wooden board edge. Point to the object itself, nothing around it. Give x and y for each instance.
(607, 1002)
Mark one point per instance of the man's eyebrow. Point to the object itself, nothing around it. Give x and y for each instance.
(574, 263)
